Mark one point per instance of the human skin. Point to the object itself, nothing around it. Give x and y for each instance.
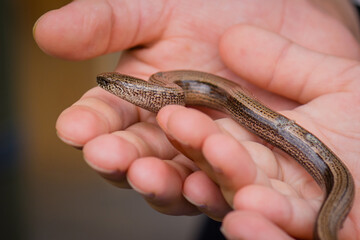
(129, 145)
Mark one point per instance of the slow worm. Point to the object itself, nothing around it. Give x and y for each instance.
(185, 87)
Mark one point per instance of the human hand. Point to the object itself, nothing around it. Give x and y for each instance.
(116, 135)
(273, 197)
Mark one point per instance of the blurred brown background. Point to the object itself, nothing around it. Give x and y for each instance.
(47, 191)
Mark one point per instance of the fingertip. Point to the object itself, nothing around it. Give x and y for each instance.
(156, 179)
(232, 164)
(35, 27)
(76, 31)
(193, 183)
(86, 29)
(163, 115)
(213, 151)
(187, 126)
(110, 153)
(96, 113)
(202, 192)
(218, 144)
(194, 186)
(77, 125)
(161, 185)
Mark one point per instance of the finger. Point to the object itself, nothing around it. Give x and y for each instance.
(296, 216)
(88, 28)
(187, 128)
(97, 112)
(181, 122)
(107, 156)
(161, 185)
(262, 156)
(202, 192)
(233, 165)
(283, 67)
(251, 226)
(112, 154)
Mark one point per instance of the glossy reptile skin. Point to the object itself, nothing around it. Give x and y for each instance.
(185, 87)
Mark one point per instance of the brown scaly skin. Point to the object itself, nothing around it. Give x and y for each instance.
(185, 87)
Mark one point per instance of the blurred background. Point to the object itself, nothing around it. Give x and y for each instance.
(47, 191)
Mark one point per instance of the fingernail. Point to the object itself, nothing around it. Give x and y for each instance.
(172, 139)
(97, 168)
(222, 230)
(198, 205)
(145, 194)
(69, 142)
(163, 115)
(115, 176)
(34, 27)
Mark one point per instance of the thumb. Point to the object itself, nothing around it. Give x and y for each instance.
(281, 66)
(87, 28)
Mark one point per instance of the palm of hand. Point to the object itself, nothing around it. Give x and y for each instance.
(183, 39)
